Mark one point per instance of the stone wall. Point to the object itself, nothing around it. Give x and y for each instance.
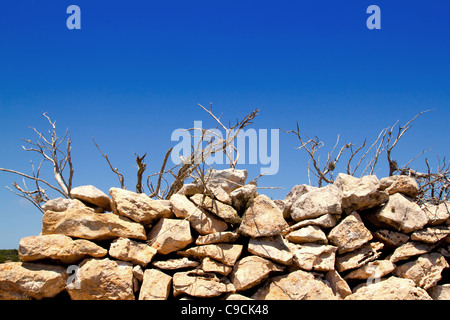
(355, 239)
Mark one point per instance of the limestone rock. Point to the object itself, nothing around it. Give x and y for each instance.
(338, 284)
(156, 285)
(282, 206)
(308, 234)
(325, 221)
(218, 237)
(273, 248)
(26, 280)
(316, 203)
(201, 220)
(200, 284)
(440, 292)
(223, 252)
(252, 270)
(374, 269)
(409, 250)
(297, 285)
(392, 288)
(132, 251)
(210, 265)
(91, 195)
(103, 279)
(311, 256)
(221, 210)
(173, 264)
(402, 184)
(391, 238)
(437, 214)
(242, 197)
(61, 204)
(219, 194)
(349, 234)
(58, 247)
(228, 179)
(402, 214)
(360, 193)
(425, 271)
(295, 193)
(83, 223)
(189, 189)
(138, 206)
(431, 234)
(236, 296)
(170, 235)
(357, 258)
(262, 219)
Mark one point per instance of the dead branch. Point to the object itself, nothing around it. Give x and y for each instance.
(115, 170)
(141, 168)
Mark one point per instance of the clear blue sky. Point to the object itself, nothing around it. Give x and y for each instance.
(137, 69)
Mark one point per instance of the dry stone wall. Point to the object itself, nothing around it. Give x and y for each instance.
(358, 238)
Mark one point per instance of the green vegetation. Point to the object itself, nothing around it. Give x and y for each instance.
(9, 254)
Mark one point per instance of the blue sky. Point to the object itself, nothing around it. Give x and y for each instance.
(137, 69)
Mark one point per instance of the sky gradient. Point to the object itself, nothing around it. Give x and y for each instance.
(136, 70)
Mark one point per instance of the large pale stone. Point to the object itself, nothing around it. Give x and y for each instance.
(132, 251)
(58, 247)
(218, 237)
(402, 214)
(308, 234)
(201, 220)
(431, 234)
(210, 265)
(262, 219)
(360, 193)
(357, 258)
(223, 252)
(221, 210)
(156, 285)
(437, 214)
(91, 195)
(316, 203)
(311, 256)
(173, 264)
(374, 270)
(409, 250)
(198, 283)
(228, 179)
(273, 248)
(26, 280)
(392, 288)
(138, 206)
(325, 221)
(402, 184)
(425, 271)
(61, 204)
(103, 279)
(297, 285)
(219, 194)
(391, 238)
(170, 235)
(338, 284)
(251, 271)
(242, 197)
(295, 193)
(349, 234)
(83, 223)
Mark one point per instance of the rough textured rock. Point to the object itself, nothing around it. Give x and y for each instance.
(392, 288)
(200, 284)
(91, 195)
(223, 252)
(425, 271)
(243, 196)
(61, 204)
(262, 219)
(402, 184)
(357, 258)
(219, 194)
(201, 220)
(431, 234)
(173, 264)
(325, 221)
(210, 265)
(308, 234)
(295, 193)
(58, 247)
(391, 238)
(402, 214)
(26, 280)
(297, 285)
(221, 210)
(437, 214)
(218, 237)
(360, 193)
(310, 256)
(155, 286)
(349, 234)
(375, 269)
(273, 248)
(338, 285)
(316, 203)
(170, 235)
(440, 292)
(132, 251)
(138, 206)
(228, 179)
(252, 270)
(409, 250)
(83, 223)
